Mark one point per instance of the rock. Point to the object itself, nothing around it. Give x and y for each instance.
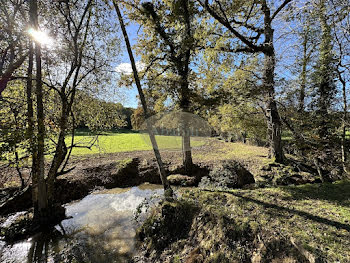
(298, 178)
(228, 174)
(179, 179)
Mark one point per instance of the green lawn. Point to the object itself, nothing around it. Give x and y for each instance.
(113, 142)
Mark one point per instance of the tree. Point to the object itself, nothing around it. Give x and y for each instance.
(242, 23)
(238, 115)
(40, 198)
(168, 191)
(340, 23)
(307, 31)
(167, 46)
(12, 41)
(97, 114)
(13, 127)
(79, 60)
(325, 75)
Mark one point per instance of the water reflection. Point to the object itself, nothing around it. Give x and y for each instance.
(101, 229)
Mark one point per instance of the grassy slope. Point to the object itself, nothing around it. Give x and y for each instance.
(315, 215)
(232, 225)
(113, 142)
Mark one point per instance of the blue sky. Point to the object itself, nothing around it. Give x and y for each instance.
(128, 95)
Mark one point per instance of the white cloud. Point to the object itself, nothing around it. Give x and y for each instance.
(125, 68)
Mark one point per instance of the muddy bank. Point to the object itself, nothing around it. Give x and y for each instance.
(185, 231)
(122, 173)
(105, 172)
(258, 226)
(109, 174)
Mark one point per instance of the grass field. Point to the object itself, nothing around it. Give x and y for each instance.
(113, 142)
(315, 216)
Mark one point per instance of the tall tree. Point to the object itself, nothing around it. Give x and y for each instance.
(39, 186)
(308, 44)
(241, 20)
(340, 24)
(325, 75)
(79, 60)
(168, 191)
(167, 47)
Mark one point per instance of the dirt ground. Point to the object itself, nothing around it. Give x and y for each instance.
(252, 157)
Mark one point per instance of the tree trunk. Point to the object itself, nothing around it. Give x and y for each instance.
(326, 85)
(344, 120)
(30, 127)
(343, 142)
(303, 77)
(274, 129)
(40, 197)
(60, 155)
(42, 194)
(186, 133)
(185, 100)
(273, 118)
(186, 146)
(168, 191)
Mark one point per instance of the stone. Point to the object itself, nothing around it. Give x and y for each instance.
(228, 174)
(183, 180)
(298, 179)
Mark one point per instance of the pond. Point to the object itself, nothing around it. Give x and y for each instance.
(100, 228)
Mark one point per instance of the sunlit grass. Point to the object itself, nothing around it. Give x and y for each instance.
(316, 216)
(236, 150)
(126, 142)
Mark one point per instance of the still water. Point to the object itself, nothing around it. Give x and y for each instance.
(101, 228)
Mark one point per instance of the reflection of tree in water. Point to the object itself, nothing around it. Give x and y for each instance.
(58, 247)
(42, 244)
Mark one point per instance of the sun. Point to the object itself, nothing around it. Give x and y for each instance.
(41, 37)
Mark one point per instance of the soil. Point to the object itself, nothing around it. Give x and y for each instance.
(94, 172)
(127, 169)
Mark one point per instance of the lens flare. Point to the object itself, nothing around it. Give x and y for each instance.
(41, 37)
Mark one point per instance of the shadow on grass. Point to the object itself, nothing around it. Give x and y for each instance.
(337, 192)
(289, 210)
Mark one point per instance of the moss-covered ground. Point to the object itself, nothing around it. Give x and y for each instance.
(309, 223)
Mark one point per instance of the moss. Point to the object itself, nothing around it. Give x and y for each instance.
(120, 164)
(169, 222)
(176, 259)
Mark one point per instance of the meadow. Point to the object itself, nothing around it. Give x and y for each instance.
(124, 141)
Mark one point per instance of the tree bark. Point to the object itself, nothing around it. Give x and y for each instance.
(186, 133)
(344, 121)
(301, 105)
(160, 164)
(272, 115)
(30, 125)
(40, 200)
(325, 87)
